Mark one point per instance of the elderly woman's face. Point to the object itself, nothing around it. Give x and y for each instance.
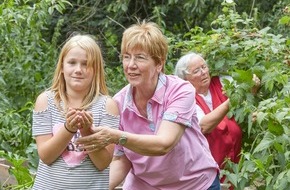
(198, 74)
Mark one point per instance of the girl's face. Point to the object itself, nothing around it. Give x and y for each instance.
(140, 68)
(78, 76)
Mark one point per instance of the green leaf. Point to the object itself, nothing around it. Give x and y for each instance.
(260, 164)
(261, 117)
(50, 10)
(242, 76)
(284, 20)
(280, 116)
(124, 7)
(233, 179)
(275, 128)
(265, 143)
(279, 147)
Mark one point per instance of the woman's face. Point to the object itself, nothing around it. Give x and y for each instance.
(140, 68)
(198, 74)
(78, 76)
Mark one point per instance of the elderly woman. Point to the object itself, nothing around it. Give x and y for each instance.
(159, 144)
(223, 134)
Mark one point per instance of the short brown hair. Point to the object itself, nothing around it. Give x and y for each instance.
(148, 37)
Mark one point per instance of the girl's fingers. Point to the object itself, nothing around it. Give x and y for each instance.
(87, 118)
(79, 118)
(73, 118)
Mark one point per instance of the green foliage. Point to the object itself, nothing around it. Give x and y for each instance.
(115, 79)
(19, 170)
(27, 55)
(24, 52)
(15, 137)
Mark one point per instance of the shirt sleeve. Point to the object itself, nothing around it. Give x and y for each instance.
(110, 121)
(180, 105)
(41, 123)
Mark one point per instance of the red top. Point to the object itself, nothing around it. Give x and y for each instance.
(225, 140)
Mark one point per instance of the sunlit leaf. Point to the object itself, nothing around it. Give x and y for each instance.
(265, 143)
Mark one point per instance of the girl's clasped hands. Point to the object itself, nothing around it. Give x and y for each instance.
(82, 120)
(78, 119)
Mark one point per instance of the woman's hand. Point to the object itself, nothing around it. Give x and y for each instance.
(101, 137)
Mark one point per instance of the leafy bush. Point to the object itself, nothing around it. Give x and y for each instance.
(27, 58)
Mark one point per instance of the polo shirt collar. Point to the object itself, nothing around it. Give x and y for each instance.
(157, 96)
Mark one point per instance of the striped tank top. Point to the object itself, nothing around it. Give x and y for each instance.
(60, 175)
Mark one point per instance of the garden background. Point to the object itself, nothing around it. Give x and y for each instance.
(238, 38)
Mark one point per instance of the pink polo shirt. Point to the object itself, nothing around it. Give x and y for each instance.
(189, 165)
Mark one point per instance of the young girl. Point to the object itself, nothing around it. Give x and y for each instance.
(76, 103)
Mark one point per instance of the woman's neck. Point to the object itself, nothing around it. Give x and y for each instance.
(203, 91)
(75, 100)
(141, 104)
(141, 96)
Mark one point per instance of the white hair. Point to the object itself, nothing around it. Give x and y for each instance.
(182, 64)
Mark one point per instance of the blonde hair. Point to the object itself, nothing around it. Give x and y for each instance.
(146, 36)
(94, 60)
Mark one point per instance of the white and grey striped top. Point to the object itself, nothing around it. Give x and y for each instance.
(59, 175)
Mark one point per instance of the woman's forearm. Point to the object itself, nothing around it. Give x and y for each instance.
(103, 157)
(119, 168)
(212, 119)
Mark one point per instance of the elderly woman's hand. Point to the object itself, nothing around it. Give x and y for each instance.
(101, 137)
